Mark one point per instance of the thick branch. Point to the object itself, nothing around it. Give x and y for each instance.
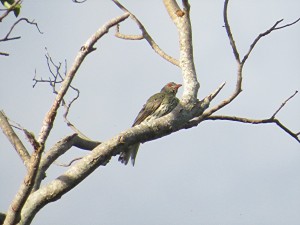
(181, 18)
(59, 149)
(14, 139)
(13, 213)
(103, 153)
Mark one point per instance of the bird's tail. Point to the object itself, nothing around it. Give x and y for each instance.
(129, 153)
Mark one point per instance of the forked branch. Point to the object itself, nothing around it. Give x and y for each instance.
(273, 28)
(239, 79)
(7, 36)
(145, 35)
(272, 119)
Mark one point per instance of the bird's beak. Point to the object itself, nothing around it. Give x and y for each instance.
(178, 86)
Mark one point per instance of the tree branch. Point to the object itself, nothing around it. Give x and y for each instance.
(189, 113)
(13, 213)
(256, 121)
(238, 87)
(181, 19)
(7, 38)
(229, 33)
(272, 119)
(57, 150)
(283, 104)
(273, 28)
(101, 155)
(145, 35)
(127, 36)
(14, 139)
(21, 197)
(84, 51)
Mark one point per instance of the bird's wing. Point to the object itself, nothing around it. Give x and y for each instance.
(149, 108)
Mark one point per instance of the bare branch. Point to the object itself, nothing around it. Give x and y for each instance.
(272, 119)
(283, 104)
(14, 139)
(183, 24)
(238, 87)
(229, 33)
(258, 38)
(273, 28)
(58, 78)
(24, 191)
(59, 149)
(126, 36)
(7, 38)
(55, 70)
(13, 213)
(287, 25)
(84, 51)
(145, 35)
(255, 121)
(68, 164)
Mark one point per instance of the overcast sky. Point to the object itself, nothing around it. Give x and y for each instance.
(219, 173)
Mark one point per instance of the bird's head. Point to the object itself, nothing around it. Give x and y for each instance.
(171, 88)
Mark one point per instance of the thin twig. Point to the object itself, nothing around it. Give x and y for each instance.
(229, 33)
(273, 28)
(68, 164)
(287, 25)
(258, 38)
(283, 104)
(126, 36)
(58, 78)
(7, 38)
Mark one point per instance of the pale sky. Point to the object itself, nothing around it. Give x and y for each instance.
(219, 173)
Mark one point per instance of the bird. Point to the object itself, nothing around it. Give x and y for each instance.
(158, 105)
